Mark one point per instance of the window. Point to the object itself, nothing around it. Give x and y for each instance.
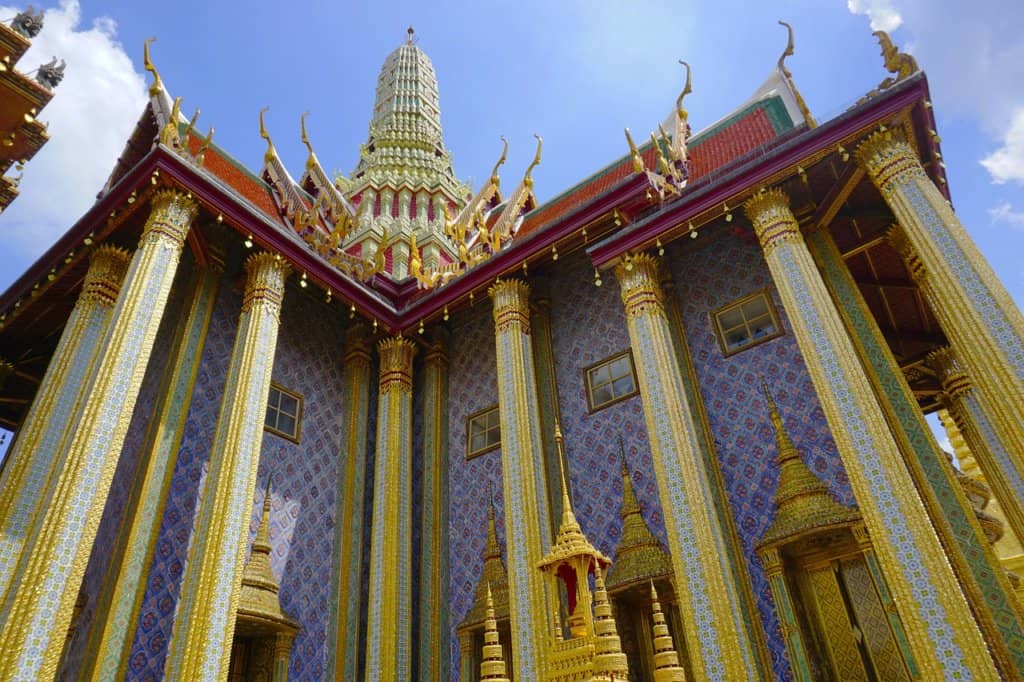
(747, 322)
(284, 413)
(483, 432)
(610, 380)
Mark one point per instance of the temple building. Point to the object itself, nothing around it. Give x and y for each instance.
(670, 424)
(21, 100)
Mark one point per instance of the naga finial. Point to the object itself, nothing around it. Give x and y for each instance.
(504, 155)
(788, 52)
(896, 62)
(305, 137)
(527, 177)
(201, 153)
(687, 89)
(190, 129)
(271, 152)
(147, 64)
(638, 161)
(169, 134)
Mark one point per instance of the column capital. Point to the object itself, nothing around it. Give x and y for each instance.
(396, 354)
(170, 216)
(889, 161)
(771, 559)
(266, 273)
(954, 380)
(357, 346)
(773, 219)
(437, 347)
(107, 267)
(862, 536)
(511, 305)
(897, 239)
(638, 276)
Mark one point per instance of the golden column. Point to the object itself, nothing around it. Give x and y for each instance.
(943, 637)
(38, 607)
(527, 516)
(33, 457)
(435, 658)
(389, 616)
(991, 452)
(974, 309)
(116, 612)
(349, 519)
(204, 627)
(704, 580)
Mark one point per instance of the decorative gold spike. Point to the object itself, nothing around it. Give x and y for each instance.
(492, 665)
(169, 135)
(504, 155)
(203, 147)
(527, 177)
(666, 661)
(271, 153)
(638, 161)
(190, 129)
(157, 86)
(304, 136)
(609, 661)
(788, 52)
(687, 89)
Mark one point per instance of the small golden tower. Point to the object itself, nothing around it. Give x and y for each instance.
(492, 667)
(666, 661)
(590, 650)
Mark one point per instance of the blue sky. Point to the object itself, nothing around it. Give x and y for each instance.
(574, 72)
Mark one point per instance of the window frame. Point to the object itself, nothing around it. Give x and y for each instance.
(296, 437)
(470, 452)
(587, 371)
(720, 332)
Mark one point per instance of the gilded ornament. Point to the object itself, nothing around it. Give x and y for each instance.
(396, 354)
(511, 305)
(773, 221)
(107, 267)
(265, 278)
(638, 278)
(889, 161)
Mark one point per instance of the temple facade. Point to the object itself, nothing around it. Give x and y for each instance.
(667, 425)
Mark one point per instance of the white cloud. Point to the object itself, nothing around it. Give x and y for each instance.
(883, 15)
(1007, 162)
(1004, 213)
(90, 117)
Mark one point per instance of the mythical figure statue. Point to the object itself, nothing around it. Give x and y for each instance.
(28, 23)
(50, 74)
(896, 62)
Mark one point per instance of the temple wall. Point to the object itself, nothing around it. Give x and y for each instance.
(708, 277)
(308, 362)
(124, 474)
(473, 386)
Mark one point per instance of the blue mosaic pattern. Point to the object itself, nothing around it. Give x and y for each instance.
(729, 268)
(307, 361)
(915, 573)
(124, 475)
(473, 386)
(995, 445)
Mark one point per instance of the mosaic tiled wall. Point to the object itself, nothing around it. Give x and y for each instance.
(729, 267)
(473, 386)
(588, 325)
(124, 474)
(308, 361)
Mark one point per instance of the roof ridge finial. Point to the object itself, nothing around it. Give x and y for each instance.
(271, 153)
(147, 64)
(411, 32)
(789, 52)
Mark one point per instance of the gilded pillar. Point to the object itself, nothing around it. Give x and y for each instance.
(988, 591)
(991, 452)
(467, 665)
(204, 626)
(435, 659)
(944, 638)
(282, 656)
(33, 457)
(975, 311)
(527, 516)
(349, 519)
(547, 390)
(719, 647)
(389, 616)
(795, 647)
(39, 604)
(106, 656)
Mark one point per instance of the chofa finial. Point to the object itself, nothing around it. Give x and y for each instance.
(147, 64)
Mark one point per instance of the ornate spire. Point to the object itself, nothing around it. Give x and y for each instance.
(259, 599)
(609, 661)
(666, 661)
(492, 667)
(638, 556)
(406, 144)
(802, 500)
(493, 577)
